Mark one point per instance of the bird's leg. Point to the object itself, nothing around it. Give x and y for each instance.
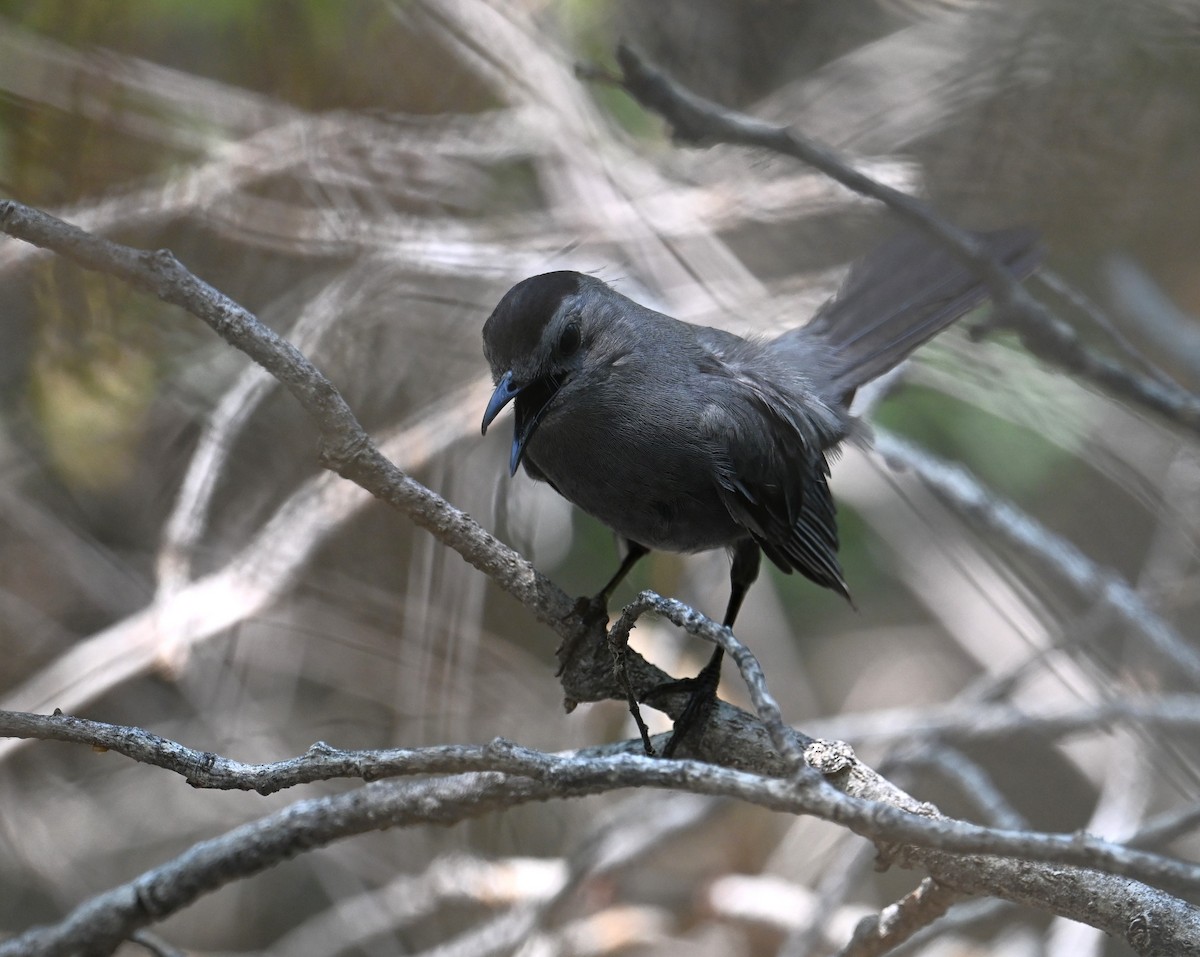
(595, 608)
(703, 688)
(593, 612)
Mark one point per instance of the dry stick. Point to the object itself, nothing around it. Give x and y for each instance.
(588, 768)
(899, 922)
(618, 644)
(504, 775)
(695, 119)
(929, 901)
(896, 923)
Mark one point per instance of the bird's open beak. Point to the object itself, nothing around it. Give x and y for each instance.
(535, 397)
(504, 394)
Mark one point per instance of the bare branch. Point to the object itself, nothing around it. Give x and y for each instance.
(502, 775)
(695, 119)
(856, 801)
(971, 781)
(507, 775)
(918, 909)
(662, 231)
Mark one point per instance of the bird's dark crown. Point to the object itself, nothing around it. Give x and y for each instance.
(516, 324)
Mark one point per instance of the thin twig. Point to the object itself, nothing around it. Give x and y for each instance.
(618, 643)
(1102, 321)
(896, 923)
(1166, 827)
(971, 780)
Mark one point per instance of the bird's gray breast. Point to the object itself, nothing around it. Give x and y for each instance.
(632, 445)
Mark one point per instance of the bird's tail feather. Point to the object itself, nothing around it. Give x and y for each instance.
(903, 294)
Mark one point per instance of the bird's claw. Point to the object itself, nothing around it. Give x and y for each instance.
(702, 697)
(592, 615)
(592, 611)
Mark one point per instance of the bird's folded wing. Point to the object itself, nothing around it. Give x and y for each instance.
(773, 478)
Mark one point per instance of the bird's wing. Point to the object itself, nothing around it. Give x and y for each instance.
(772, 476)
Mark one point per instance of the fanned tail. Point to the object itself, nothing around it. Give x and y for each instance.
(902, 295)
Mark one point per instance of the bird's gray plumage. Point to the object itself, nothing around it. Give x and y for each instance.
(685, 438)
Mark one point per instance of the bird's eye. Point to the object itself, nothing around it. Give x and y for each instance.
(570, 339)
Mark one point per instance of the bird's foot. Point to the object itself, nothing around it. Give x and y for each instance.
(591, 613)
(591, 610)
(702, 698)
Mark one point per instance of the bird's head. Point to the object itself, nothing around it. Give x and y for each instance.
(536, 339)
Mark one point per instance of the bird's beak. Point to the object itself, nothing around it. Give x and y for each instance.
(537, 396)
(504, 394)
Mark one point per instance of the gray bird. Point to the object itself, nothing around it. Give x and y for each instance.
(684, 438)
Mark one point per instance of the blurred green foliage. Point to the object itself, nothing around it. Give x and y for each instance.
(1011, 458)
